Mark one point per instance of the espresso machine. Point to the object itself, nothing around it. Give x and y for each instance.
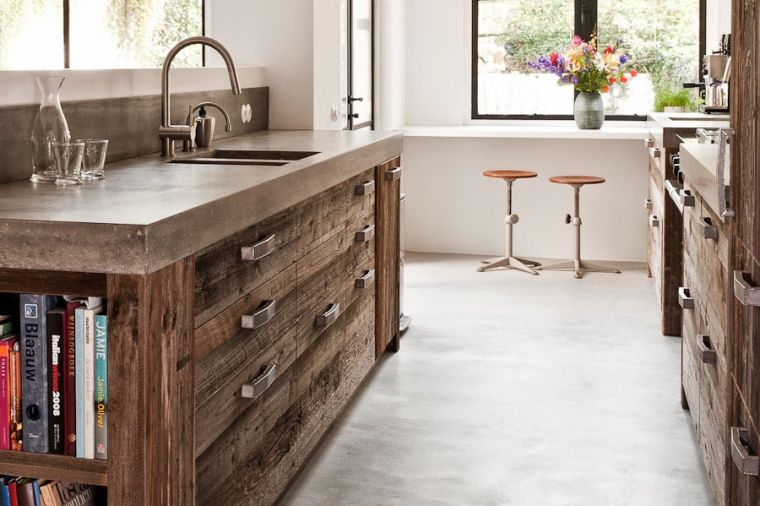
(717, 69)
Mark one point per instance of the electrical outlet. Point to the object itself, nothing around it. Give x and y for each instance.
(334, 113)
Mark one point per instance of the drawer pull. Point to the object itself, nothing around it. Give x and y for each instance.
(328, 317)
(686, 198)
(747, 294)
(259, 385)
(393, 175)
(706, 350)
(709, 231)
(365, 188)
(648, 204)
(366, 280)
(654, 220)
(746, 463)
(259, 250)
(261, 316)
(655, 152)
(365, 234)
(649, 142)
(685, 299)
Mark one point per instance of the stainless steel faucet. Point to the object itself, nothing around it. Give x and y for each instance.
(167, 132)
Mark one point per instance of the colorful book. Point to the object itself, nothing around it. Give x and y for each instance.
(36, 489)
(7, 326)
(14, 373)
(34, 375)
(56, 323)
(101, 386)
(6, 494)
(25, 493)
(6, 344)
(76, 495)
(69, 387)
(85, 376)
(13, 492)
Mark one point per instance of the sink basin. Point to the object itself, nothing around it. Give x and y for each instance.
(270, 158)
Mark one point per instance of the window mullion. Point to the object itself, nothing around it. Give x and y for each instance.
(66, 38)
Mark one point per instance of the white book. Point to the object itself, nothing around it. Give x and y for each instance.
(89, 382)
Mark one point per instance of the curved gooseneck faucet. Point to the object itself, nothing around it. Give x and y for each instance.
(168, 132)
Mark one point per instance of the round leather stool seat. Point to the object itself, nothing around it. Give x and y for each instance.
(510, 174)
(577, 179)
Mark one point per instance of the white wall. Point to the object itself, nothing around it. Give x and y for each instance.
(390, 64)
(718, 22)
(277, 35)
(328, 65)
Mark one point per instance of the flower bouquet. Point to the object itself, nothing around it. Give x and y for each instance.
(591, 72)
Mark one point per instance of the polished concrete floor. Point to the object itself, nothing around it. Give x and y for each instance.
(516, 390)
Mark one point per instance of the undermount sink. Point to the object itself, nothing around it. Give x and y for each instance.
(267, 158)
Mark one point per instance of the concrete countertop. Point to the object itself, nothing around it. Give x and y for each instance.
(148, 213)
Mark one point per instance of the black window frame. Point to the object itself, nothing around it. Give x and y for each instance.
(67, 34)
(585, 20)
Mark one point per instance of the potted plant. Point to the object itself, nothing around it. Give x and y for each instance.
(673, 99)
(592, 72)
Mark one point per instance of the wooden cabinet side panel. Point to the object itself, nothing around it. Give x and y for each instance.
(387, 259)
(151, 423)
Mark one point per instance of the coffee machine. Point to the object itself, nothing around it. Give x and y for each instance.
(717, 69)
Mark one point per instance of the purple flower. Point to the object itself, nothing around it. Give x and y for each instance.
(623, 59)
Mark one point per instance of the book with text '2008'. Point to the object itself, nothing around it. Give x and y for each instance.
(56, 325)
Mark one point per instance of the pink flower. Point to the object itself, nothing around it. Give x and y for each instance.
(577, 41)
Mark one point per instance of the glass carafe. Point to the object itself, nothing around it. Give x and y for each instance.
(49, 126)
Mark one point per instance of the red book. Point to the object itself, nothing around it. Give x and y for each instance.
(14, 373)
(13, 493)
(5, 399)
(69, 383)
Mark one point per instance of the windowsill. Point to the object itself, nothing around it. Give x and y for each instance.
(555, 130)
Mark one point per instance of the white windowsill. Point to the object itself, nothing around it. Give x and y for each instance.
(555, 130)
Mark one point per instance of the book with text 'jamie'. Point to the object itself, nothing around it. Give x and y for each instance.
(34, 370)
(101, 386)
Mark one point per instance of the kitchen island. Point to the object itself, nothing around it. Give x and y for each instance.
(246, 304)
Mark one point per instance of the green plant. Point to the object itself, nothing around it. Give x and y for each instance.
(675, 97)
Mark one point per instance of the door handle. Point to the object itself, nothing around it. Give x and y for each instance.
(261, 316)
(355, 99)
(746, 463)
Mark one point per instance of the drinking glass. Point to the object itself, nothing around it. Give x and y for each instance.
(94, 160)
(68, 162)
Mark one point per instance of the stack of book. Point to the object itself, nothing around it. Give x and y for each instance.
(16, 491)
(54, 377)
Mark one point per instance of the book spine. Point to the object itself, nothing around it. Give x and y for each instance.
(89, 384)
(15, 398)
(101, 387)
(7, 328)
(34, 377)
(55, 326)
(70, 384)
(5, 398)
(79, 396)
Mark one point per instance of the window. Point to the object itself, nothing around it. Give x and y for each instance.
(97, 34)
(665, 39)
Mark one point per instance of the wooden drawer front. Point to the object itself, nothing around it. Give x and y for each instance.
(331, 370)
(321, 217)
(222, 276)
(656, 186)
(654, 253)
(242, 357)
(744, 490)
(360, 264)
(691, 368)
(251, 463)
(713, 434)
(361, 207)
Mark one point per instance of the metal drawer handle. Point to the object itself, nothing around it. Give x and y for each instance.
(648, 204)
(746, 463)
(655, 152)
(747, 294)
(706, 350)
(649, 142)
(686, 198)
(365, 188)
(259, 250)
(365, 234)
(328, 317)
(366, 280)
(393, 175)
(685, 299)
(709, 231)
(263, 315)
(654, 220)
(259, 385)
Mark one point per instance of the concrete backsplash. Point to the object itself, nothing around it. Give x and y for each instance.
(130, 124)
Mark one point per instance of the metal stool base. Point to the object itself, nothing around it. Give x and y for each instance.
(579, 266)
(518, 264)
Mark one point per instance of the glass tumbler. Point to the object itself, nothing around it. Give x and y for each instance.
(67, 157)
(94, 160)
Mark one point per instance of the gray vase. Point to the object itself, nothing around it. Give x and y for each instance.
(589, 111)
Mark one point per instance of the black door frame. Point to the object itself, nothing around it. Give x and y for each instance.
(349, 73)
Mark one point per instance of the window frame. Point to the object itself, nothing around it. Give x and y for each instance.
(585, 20)
(67, 34)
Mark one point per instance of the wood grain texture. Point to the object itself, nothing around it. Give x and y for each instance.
(222, 276)
(151, 387)
(387, 259)
(54, 467)
(53, 282)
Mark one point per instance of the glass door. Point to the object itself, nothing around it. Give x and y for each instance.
(360, 64)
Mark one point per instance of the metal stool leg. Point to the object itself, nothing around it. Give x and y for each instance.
(509, 261)
(578, 266)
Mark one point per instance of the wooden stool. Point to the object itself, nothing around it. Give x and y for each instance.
(508, 261)
(579, 266)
